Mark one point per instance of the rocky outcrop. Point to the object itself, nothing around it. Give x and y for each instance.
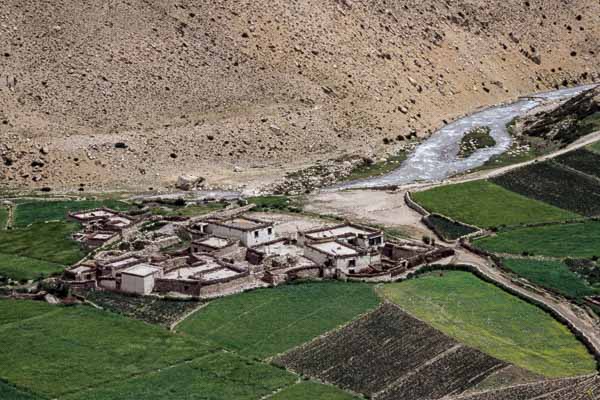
(568, 122)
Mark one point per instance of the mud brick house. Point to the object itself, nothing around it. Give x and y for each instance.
(336, 256)
(355, 235)
(140, 278)
(205, 276)
(251, 232)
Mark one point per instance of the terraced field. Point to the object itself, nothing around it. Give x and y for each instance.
(3, 217)
(447, 229)
(554, 275)
(147, 309)
(267, 322)
(582, 388)
(54, 351)
(484, 204)
(582, 160)
(389, 354)
(218, 376)
(485, 317)
(40, 249)
(568, 240)
(27, 213)
(8, 392)
(312, 391)
(550, 183)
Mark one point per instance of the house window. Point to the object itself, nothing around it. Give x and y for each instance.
(352, 263)
(270, 231)
(255, 234)
(375, 241)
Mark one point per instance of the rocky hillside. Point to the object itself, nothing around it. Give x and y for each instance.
(567, 122)
(240, 92)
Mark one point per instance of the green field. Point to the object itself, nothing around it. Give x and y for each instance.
(485, 204)
(267, 322)
(8, 392)
(308, 390)
(485, 317)
(54, 351)
(553, 275)
(567, 240)
(3, 217)
(595, 146)
(49, 242)
(41, 211)
(12, 311)
(219, 376)
(24, 268)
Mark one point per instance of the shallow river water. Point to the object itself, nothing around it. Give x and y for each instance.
(436, 158)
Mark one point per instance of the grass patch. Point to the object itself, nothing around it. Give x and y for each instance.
(484, 204)
(595, 147)
(272, 203)
(8, 392)
(219, 376)
(581, 240)
(485, 317)
(3, 217)
(20, 268)
(50, 242)
(313, 391)
(477, 138)
(588, 125)
(378, 168)
(71, 348)
(12, 311)
(41, 211)
(553, 275)
(267, 322)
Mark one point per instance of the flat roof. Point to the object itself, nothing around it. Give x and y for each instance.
(141, 270)
(81, 269)
(94, 214)
(215, 242)
(339, 231)
(280, 248)
(102, 236)
(189, 272)
(334, 249)
(219, 274)
(124, 262)
(120, 221)
(242, 223)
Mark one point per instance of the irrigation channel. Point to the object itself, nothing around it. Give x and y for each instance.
(437, 157)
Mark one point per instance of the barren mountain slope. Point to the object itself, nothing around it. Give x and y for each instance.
(204, 87)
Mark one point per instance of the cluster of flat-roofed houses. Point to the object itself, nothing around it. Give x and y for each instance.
(230, 252)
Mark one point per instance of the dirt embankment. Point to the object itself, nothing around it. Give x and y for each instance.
(242, 91)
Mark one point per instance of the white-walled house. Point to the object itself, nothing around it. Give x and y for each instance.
(355, 235)
(139, 279)
(340, 256)
(251, 232)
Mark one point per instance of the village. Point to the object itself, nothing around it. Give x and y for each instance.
(231, 251)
